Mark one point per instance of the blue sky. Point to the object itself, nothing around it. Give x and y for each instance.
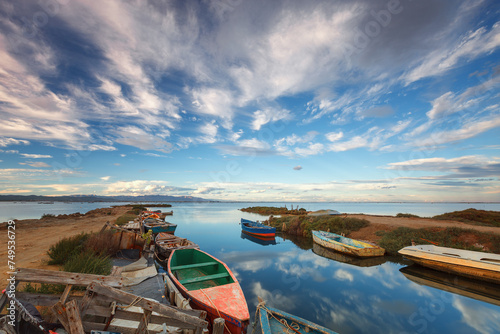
(251, 100)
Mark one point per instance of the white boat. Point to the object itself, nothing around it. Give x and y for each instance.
(346, 245)
(477, 265)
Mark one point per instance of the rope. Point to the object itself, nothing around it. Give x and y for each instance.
(290, 328)
(134, 302)
(215, 307)
(432, 242)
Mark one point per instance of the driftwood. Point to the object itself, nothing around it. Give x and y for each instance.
(61, 277)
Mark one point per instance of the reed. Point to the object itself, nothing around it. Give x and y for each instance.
(304, 225)
(65, 248)
(88, 262)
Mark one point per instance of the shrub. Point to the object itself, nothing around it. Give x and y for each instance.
(88, 262)
(473, 216)
(304, 225)
(47, 215)
(102, 243)
(123, 219)
(407, 215)
(65, 248)
(50, 289)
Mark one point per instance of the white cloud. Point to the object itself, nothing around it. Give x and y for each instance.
(37, 164)
(35, 156)
(105, 178)
(137, 137)
(334, 136)
(4, 142)
(311, 149)
(138, 187)
(264, 116)
(343, 275)
(209, 133)
(298, 167)
(470, 46)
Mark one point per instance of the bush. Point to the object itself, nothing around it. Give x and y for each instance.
(102, 243)
(65, 248)
(406, 215)
(50, 289)
(473, 216)
(48, 215)
(88, 262)
(304, 225)
(123, 219)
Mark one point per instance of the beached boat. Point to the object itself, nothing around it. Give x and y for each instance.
(166, 243)
(265, 241)
(211, 286)
(157, 225)
(257, 229)
(344, 258)
(346, 245)
(477, 265)
(274, 321)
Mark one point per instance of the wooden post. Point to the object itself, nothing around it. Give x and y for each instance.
(60, 312)
(143, 326)
(218, 326)
(74, 319)
(65, 294)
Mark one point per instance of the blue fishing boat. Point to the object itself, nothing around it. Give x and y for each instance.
(157, 226)
(274, 321)
(257, 229)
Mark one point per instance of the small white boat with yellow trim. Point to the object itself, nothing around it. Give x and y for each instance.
(346, 245)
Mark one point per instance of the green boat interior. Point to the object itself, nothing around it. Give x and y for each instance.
(196, 270)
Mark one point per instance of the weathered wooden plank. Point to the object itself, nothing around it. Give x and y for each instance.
(191, 318)
(74, 319)
(143, 325)
(175, 296)
(65, 294)
(60, 311)
(61, 277)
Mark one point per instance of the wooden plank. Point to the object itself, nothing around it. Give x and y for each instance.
(203, 278)
(61, 277)
(65, 294)
(177, 299)
(60, 311)
(143, 325)
(190, 318)
(85, 303)
(74, 319)
(104, 227)
(194, 265)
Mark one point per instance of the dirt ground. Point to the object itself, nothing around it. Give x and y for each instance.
(35, 236)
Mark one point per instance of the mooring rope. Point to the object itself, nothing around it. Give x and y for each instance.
(215, 307)
(290, 328)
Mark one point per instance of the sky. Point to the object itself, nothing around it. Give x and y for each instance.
(251, 100)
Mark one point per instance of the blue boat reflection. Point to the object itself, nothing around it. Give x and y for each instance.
(259, 240)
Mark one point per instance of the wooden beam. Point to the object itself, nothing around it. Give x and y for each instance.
(143, 325)
(61, 277)
(191, 318)
(60, 311)
(65, 294)
(74, 319)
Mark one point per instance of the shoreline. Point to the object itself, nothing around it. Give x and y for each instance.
(34, 237)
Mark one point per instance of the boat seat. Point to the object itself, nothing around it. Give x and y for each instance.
(203, 278)
(194, 265)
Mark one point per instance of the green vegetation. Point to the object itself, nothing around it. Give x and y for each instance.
(88, 262)
(473, 216)
(137, 209)
(47, 215)
(270, 210)
(65, 248)
(303, 225)
(48, 289)
(123, 219)
(453, 237)
(407, 215)
(100, 243)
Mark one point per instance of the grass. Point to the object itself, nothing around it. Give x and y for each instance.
(125, 218)
(452, 237)
(48, 289)
(303, 225)
(65, 248)
(100, 243)
(88, 262)
(473, 216)
(47, 215)
(270, 210)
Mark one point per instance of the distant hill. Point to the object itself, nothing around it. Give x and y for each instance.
(95, 198)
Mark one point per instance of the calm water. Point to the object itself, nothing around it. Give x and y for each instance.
(359, 297)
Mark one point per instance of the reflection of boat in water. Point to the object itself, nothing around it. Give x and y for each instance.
(476, 265)
(346, 245)
(258, 240)
(483, 291)
(355, 261)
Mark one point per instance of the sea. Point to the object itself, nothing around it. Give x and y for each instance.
(380, 295)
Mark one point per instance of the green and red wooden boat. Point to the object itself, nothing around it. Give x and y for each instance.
(211, 286)
(257, 229)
